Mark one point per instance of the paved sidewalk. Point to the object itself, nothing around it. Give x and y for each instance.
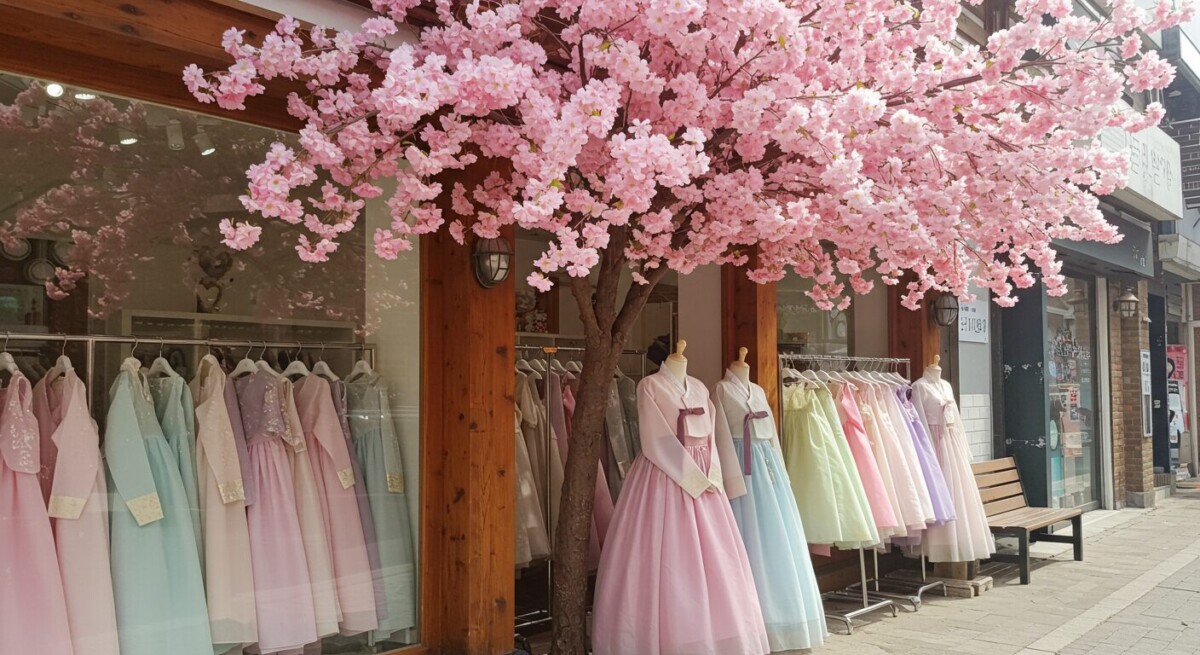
(1137, 591)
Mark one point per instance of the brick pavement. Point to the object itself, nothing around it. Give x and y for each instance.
(1137, 591)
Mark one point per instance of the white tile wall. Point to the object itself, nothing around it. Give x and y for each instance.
(976, 410)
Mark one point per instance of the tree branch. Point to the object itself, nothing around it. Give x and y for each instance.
(581, 289)
(635, 300)
(612, 258)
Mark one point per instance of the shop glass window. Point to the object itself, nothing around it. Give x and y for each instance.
(259, 426)
(804, 327)
(1071, 378)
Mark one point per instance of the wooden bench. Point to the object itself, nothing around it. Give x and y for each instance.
(1010, 516)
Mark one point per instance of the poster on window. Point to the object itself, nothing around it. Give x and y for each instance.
(1178, 420)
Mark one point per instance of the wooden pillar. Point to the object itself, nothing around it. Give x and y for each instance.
(468, 460)
(911, 333)
(748, 319)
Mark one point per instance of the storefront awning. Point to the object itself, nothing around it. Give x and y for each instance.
(1134, 253)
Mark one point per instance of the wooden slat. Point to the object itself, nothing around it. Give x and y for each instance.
(1031, 518)
(1006, 505)
(1009, 490)
(996, 479)
(993, 465)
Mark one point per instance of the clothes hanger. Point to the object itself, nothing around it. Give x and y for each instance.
(245, 366)
(539, 366)
(361, 369)
(160, 365)
(811, 375)
(297, 368)
(574, 366)
(263, 364)
(62, 365)
(7, 363)
(322, 369)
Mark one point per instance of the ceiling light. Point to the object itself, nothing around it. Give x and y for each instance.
(85, 95)
(204, 142)
(126, 136)
(175, 135)
(55, 90)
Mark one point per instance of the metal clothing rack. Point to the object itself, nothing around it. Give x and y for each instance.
(546, 354)
(872, 601)
(90, 341)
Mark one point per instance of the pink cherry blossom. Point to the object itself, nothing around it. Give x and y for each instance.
(837, 141)
(239, 235)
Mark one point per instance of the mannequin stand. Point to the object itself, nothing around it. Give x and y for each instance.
(900, 590)
(869, 605)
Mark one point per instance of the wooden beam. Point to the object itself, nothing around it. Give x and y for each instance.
(748, 319)
(81, 55)
(194, 26)
(46, 59)
(468, 450)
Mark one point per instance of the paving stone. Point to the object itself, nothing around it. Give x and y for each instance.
(1136, 593)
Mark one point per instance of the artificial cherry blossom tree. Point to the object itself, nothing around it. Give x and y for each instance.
(834, 139)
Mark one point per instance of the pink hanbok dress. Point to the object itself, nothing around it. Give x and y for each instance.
(336, 482)
(74, 488)
(312, 519)
(282, 590)
(674, 576)
(229, 572)
(33, 606)
(886, 521)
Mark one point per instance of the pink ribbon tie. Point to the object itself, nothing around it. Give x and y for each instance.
(750, 416)
(683, 414)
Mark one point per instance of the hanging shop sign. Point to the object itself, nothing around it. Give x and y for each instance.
(1147, 402)
(1155, 184)
(973, 321)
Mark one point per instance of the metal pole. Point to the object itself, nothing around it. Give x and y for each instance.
(862, 570)
(232, 343)
(89, 348)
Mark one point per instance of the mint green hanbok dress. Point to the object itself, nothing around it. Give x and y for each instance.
(377, 447)
(157, 582)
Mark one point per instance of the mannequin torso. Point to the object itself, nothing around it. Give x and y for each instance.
(676, 363)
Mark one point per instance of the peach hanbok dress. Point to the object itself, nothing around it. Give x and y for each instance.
(674, 575)
(73, 485)
(336, 482)
(229, 579)
(312, 518)
(33, 607)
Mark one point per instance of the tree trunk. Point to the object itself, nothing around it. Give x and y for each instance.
(606, 327)
(575, 513)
